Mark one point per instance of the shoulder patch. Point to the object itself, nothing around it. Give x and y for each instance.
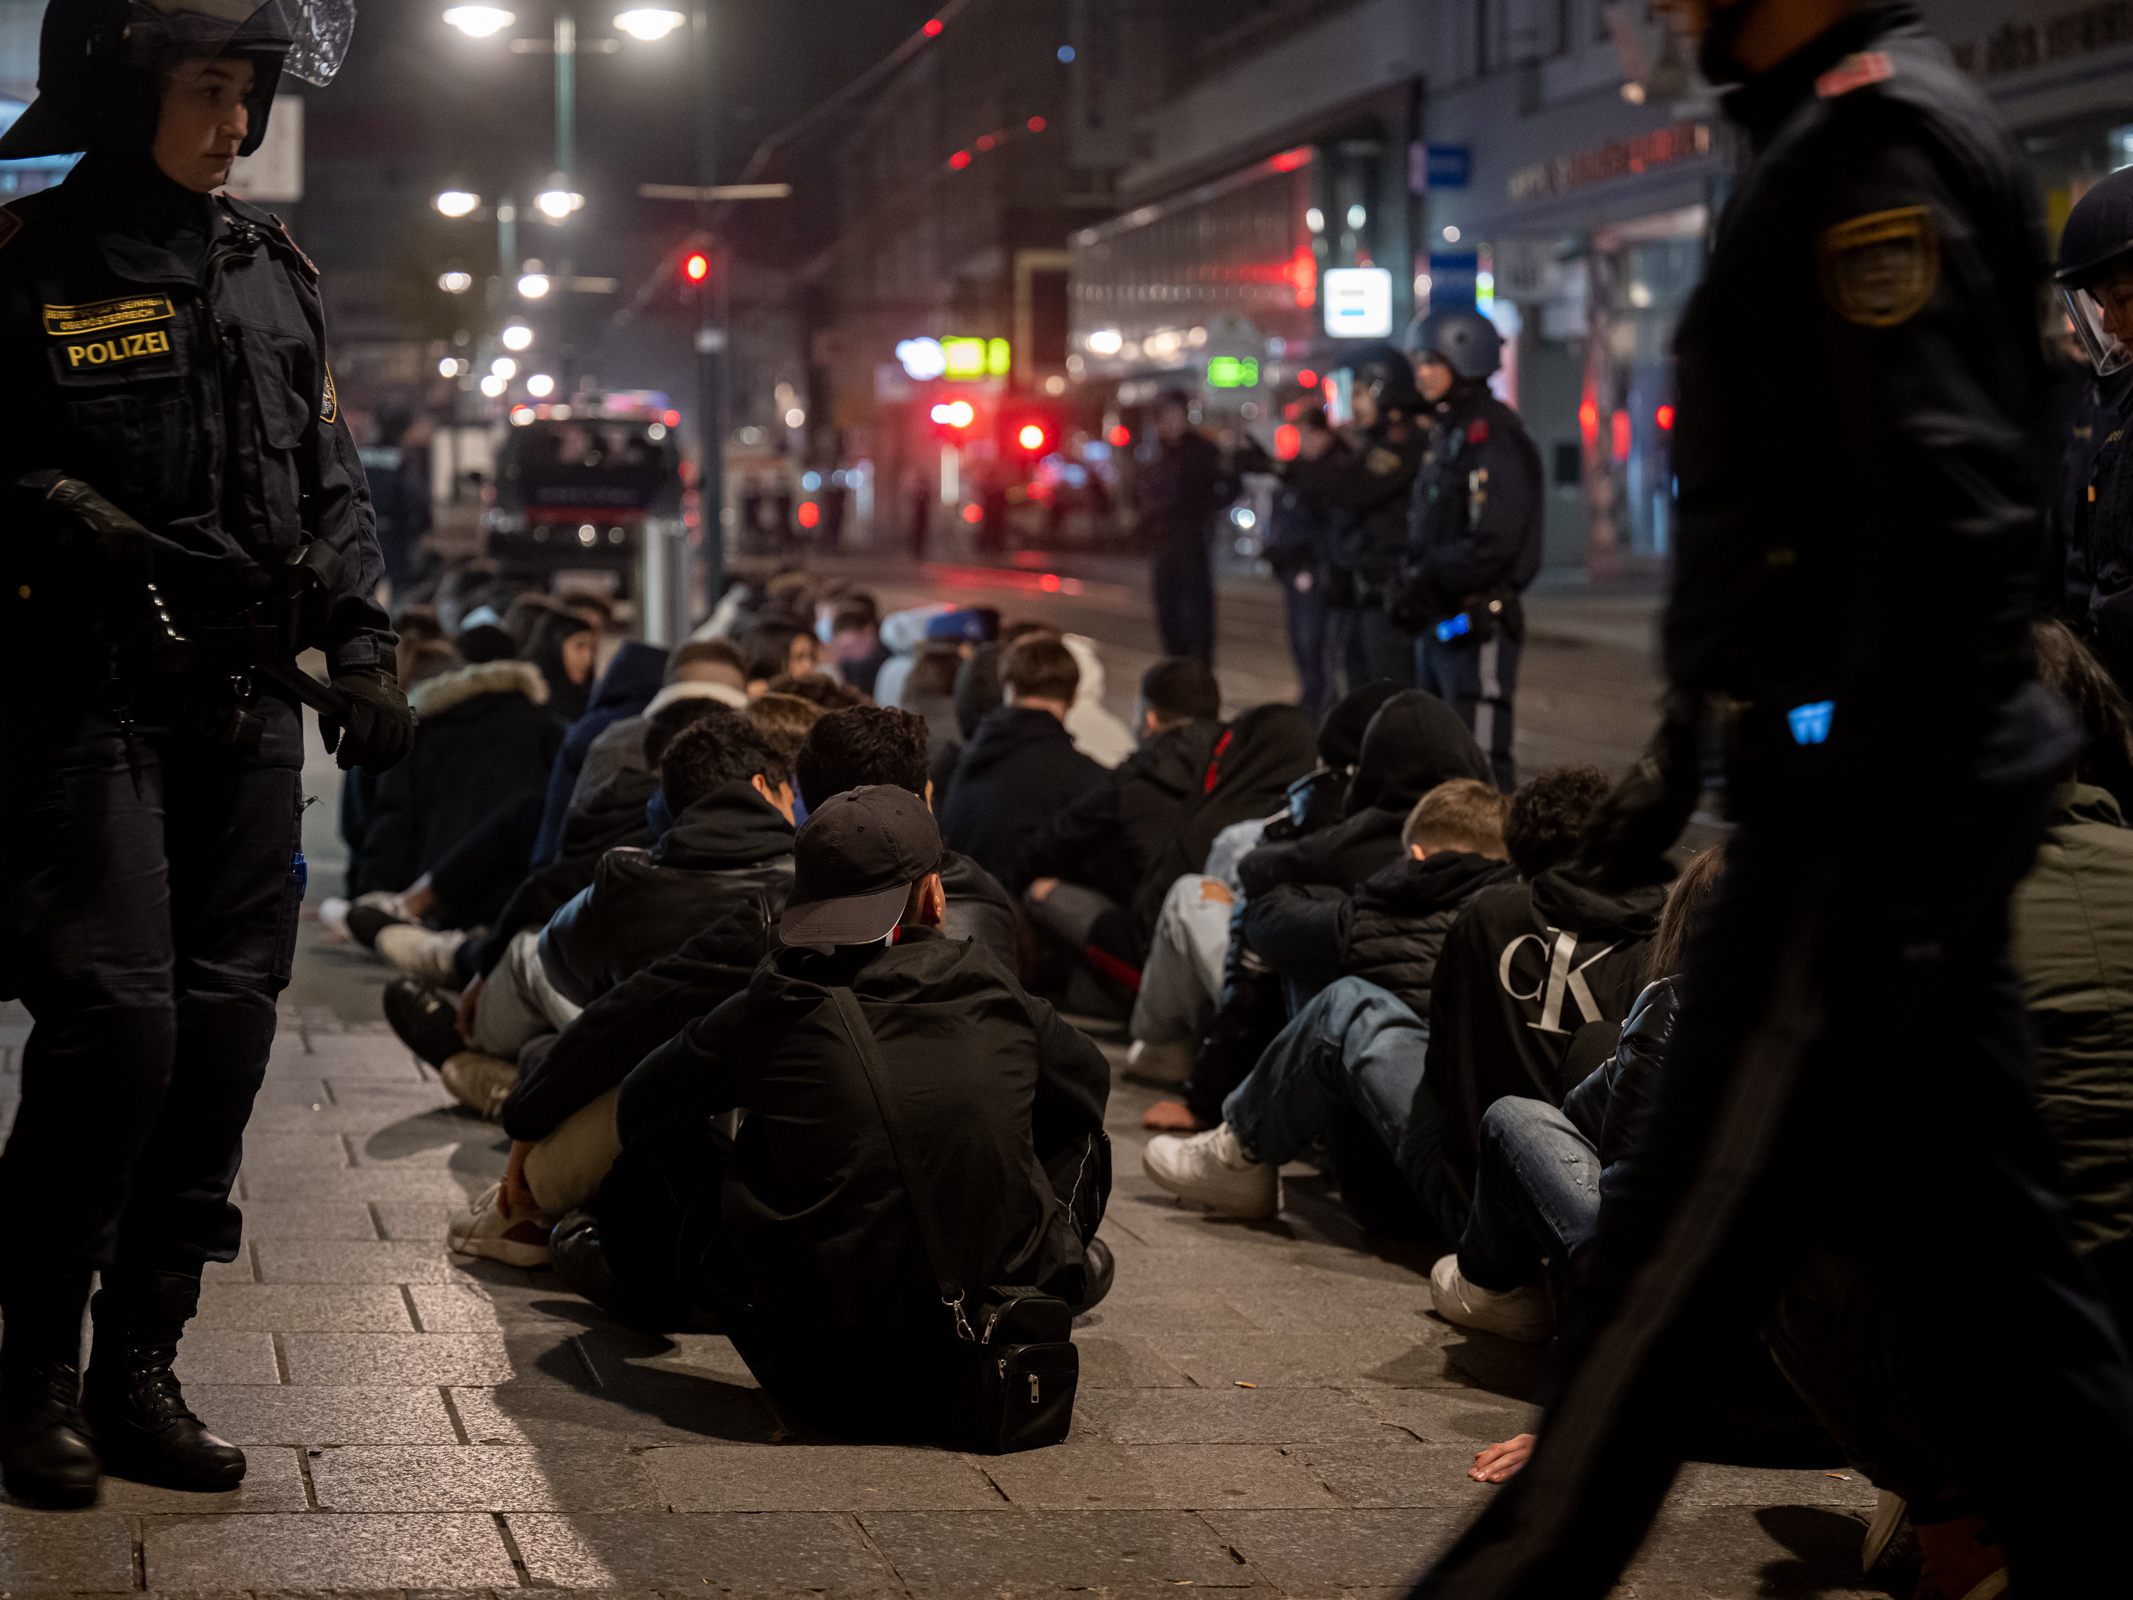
(329, 402)
(1879, 271)
(296, 250)
(1477, 432)
(1855, 72)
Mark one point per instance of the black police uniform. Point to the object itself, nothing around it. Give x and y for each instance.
(1367, 490)
(2095, 516)
(1182, 491)
(1859, 454)
(1473, 546)
(167, 349)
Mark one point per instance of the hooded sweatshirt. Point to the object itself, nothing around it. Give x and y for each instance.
(1097, 734)
(1414, 742)
(902, 632)
(1020, 768)
(1110, 837)
(729, 848)
(631, 679)
(1523, 969)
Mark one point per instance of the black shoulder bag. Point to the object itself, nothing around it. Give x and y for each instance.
(1015, 1361)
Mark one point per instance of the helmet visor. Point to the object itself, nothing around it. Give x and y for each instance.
(2102, 319)
(309, 37)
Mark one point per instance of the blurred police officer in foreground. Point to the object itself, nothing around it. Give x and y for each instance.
(2096, 275)
(1473, 533)
(184, 512)
(1366, 490)
(1859, 457)
(1184, 488)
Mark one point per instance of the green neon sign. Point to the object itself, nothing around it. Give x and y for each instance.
(1232, 372)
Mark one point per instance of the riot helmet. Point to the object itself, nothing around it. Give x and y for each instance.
(100, 57)
(1383, 374)
(2096, 272)
(1462, 339)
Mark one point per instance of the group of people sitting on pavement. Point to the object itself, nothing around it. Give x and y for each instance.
(1336, 943)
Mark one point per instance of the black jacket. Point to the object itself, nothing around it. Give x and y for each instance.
(1523, 968)
(731, 847)
(484, 736)
(1862, 394)
(169, 350)
(1388, 931)
(1610, 1104)
(1474, 529)
(647, 1008)
(1111, 834)
(1365, 495)
(1413, 743)
(1182, 487)
(1001, 1104)
(1018, 769)
(624, 689)
(608, 816)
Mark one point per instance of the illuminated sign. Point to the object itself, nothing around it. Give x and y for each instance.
(1619, 158)
(1358, 302)
(923, 359)
(959, 359)
(1232, 372)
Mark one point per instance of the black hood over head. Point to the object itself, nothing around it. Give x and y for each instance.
(977, 688)
(1340, 738)
(1414, 743)
(1566, 897)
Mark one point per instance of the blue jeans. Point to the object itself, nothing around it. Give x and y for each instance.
(1353, 1046)
(1536, 1195)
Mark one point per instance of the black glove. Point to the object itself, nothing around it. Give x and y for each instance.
(122, 551)
(378, 729)
(1626, 844)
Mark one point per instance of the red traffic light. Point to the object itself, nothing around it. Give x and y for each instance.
(1032, 437)
(696, 266)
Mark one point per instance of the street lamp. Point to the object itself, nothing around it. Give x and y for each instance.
(558, 200)
(540, 386)
(503, 369)
(455, 281)
(457, 203)
(480, 22)
(533, 283)
(516, 336)
(649, 24)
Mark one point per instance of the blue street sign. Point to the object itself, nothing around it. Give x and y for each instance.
(1448, 167)
(1454, 278)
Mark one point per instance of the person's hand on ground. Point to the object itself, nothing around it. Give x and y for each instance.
(1499, 1463)
(1213, 891)
(468, 1000)
(1040, 890)
(1170, 1116)
(515, 1199)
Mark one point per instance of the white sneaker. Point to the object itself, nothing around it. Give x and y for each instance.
(333, 915)
(481, 1083)
(390, 901)
(1212, 1169)
(483, 1230)
(1162, 1066)
(421, 953)
(1524, 1314)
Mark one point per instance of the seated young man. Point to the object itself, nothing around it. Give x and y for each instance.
(1021, 765)
(560, 1112)
(1385, 936)
(803, 1233)
(1545, 1169)
(730, 845)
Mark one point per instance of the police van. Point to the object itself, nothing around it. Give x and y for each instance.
(576, 486)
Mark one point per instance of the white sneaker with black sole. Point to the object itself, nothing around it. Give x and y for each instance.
(483, 1230)
(1524, 1314)
(424, 954)
(1213, 1170)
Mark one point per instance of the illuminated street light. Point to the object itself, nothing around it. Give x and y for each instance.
(480, 22)
(450, 367)
(533, 283)
(795, 418)
(540, 386)
(494, 387)
(649, 24)
(455, 281)
(457, 203)
(503, 368)
(556, 202)
(516, 336)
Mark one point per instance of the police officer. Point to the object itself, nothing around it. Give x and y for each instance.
(1184, 487)
(1474, 532)
(2096, 276)
(1366, 490)
(1848, 635)
(174, 423)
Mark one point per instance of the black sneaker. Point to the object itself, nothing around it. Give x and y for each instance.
(365, 922)
(425, 1020)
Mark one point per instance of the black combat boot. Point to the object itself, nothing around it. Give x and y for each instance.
(135, 1409)
(45, 1457)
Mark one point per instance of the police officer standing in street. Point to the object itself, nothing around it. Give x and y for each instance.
(1473, 533)
(1848, 637)
(2096, 276)
(1365, 491)
(186, 512)
(1184, 487)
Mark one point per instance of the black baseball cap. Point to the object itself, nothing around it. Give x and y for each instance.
(855, 862)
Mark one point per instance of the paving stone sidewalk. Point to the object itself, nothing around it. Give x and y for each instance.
(1268, 1408)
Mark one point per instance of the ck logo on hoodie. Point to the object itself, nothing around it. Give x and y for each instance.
(1562, 977)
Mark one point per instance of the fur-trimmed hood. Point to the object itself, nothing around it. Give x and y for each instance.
(433, 697)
